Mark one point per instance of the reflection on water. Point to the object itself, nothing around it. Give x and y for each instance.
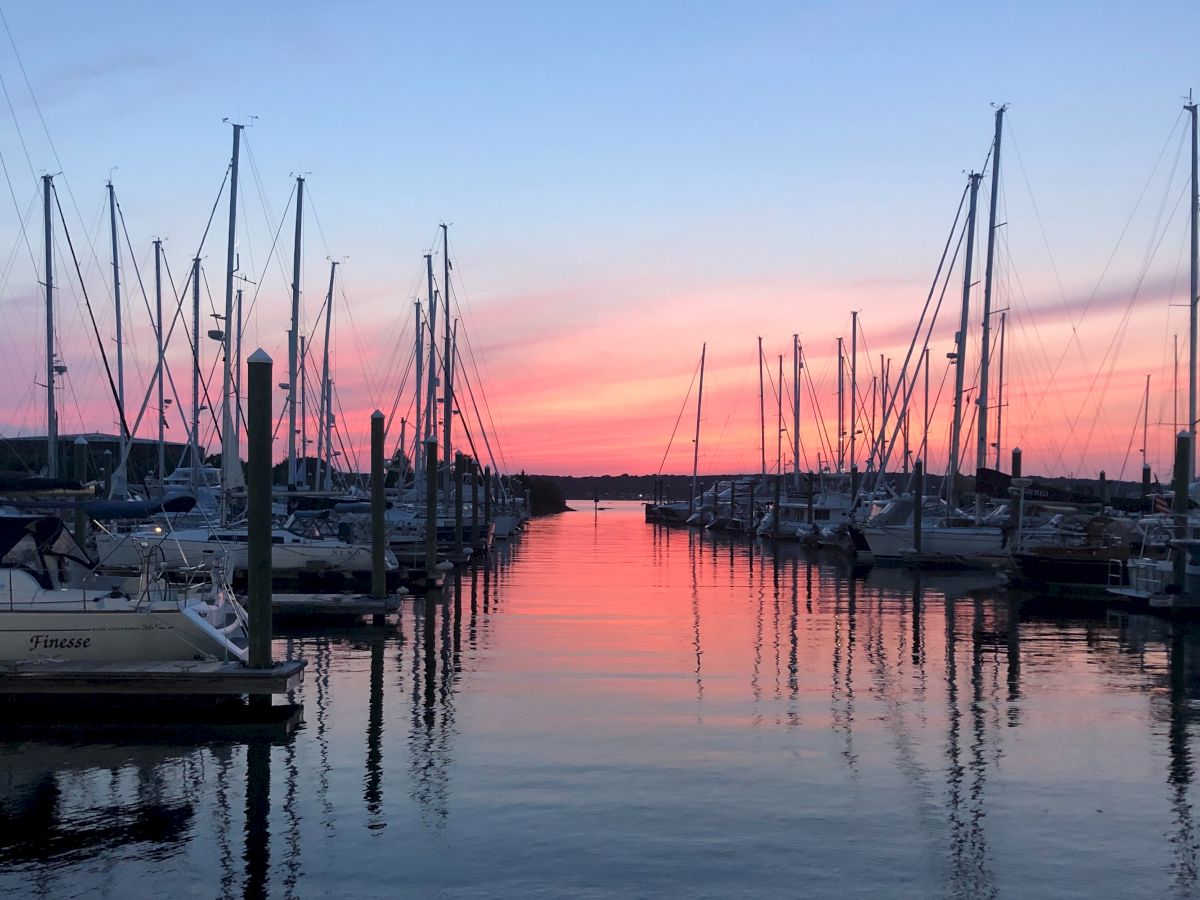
(613, 708)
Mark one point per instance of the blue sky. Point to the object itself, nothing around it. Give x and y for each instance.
(610, 156)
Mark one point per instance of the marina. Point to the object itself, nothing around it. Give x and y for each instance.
(577, 450)
(803, 722)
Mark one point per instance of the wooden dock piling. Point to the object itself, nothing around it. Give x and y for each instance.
(258, 506)
(918, 502)
(378, 531)
(378, 542)
(487, 497)
(431, 492)
(1183, 457)
(459, 463)
(474, 506)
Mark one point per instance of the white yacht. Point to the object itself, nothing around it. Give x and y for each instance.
(830, 510)
(888, 536)
(298, 546)
(44, 618)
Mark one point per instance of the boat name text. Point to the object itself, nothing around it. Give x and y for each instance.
(45, 642)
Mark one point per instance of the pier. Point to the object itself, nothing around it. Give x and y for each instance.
(200, 678)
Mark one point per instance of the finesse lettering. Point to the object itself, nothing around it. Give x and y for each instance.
(46, 642)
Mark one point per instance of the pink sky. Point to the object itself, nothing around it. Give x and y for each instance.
(622, 189)
(591, 379)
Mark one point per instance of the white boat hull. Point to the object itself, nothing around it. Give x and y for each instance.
(107, 636)
(506, 525)
(896, 541)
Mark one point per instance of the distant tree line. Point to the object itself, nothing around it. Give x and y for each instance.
(1121, 494)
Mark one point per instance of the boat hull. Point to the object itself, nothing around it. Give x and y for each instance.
(106, 636)
(1077, 570)
(895, 542)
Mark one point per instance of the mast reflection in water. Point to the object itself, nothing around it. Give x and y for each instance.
(617, 708)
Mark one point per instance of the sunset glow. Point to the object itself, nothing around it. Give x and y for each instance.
(608, 223)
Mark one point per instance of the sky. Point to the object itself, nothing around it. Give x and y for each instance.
(623, 183)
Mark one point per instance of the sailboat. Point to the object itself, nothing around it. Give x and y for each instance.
(297, 546)
(952, 534)
(681, 511)
(44, 617)
(1174, 582)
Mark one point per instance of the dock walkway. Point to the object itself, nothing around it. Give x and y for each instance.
(200, 678)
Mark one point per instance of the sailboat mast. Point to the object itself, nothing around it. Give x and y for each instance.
(1192, 298)
(229, 451)
(960, 344)
(779, 422)
(237, 377)
(51, 410)
(853, 385)
(985, 351)
(120, 477)
(302, 463)
(403, 439)
(796, 364)
(1000, 391)
(871, 425)
(419, 357)
(696, 441)
(293, 334)
(447, 360)
(328, 425)
(431, 377)
(323, 420)
(1145, 422)
(762, 414)
(884, 372)
(158, 337)
(925, 412)
(196, 463)
(453, 364)
(841, 407)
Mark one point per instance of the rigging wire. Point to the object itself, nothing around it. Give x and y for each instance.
(494, 424)
(95, 328)
(679, 418)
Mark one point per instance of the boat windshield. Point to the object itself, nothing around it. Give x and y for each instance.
(305, 527)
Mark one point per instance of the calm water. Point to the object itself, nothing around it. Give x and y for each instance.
(615, 709)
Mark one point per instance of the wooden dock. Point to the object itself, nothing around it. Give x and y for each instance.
(196, 679)
(420, 581)
(146, 718)
(340, 606)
